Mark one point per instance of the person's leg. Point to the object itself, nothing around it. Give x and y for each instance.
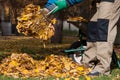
(109, 14)
(89, 55)
(90, 52)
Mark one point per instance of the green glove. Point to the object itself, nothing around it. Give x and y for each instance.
(60, 4)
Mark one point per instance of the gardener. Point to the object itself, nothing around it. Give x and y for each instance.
(101, 33)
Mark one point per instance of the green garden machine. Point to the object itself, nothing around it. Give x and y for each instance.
(76, 49)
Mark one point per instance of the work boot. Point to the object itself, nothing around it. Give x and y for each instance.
(94, 73)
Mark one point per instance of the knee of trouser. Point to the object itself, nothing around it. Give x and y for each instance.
(98, 31)
(102, 30)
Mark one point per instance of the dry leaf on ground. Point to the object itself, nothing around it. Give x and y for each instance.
(22, 65)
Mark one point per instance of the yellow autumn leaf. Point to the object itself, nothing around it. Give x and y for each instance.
(67, 66)
(80, 19)
(67, 79)
(13, 63)
(80, 68)
(5, 72)
(53, 21)
(36, 70)
(23, 18)
(31, 60)
(25, 72)
(87, 77)
(57, 75)
(43, 23)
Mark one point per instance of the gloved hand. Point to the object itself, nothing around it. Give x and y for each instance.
(56, 5)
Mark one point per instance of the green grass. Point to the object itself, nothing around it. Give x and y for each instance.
(49, 78)
(115, 75)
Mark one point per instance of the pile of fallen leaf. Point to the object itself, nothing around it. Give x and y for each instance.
(32, 22)
(22, 65)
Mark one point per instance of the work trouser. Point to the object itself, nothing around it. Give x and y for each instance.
(101, 34)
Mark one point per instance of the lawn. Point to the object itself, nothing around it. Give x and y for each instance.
(34, 47)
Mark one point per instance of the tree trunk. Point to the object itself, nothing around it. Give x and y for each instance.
(5, 18)
(58, 36)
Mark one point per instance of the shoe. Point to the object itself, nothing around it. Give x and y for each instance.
(93, 73)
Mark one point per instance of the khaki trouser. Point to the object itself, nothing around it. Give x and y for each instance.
(101, 49)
